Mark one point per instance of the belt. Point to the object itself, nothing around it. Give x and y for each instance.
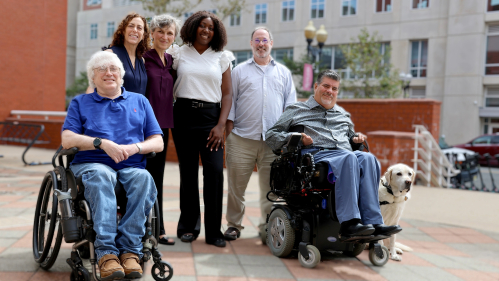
(199, 104)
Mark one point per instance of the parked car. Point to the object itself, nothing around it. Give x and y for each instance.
(488, 143)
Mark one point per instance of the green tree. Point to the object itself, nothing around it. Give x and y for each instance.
(367, 70)
(79, 86)
(178, 8)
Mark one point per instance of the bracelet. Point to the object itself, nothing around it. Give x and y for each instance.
(139, 146)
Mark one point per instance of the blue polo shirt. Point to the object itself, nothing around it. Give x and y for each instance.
(126, 119)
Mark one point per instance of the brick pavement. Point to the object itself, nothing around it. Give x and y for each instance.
(441, 251)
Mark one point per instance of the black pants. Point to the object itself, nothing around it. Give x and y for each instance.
(192, 128)
(156, 167)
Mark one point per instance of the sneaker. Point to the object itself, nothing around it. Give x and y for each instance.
(131, 265)
(110, 268)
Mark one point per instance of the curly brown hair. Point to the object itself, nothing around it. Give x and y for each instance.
(188, 32)
(119, 35)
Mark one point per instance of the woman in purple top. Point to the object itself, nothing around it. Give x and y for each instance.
(159, 91)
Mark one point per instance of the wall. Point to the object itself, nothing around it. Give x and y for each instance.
(391, 148)
(32, 55)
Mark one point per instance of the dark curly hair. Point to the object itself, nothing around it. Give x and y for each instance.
(188, 32)
(119, 35)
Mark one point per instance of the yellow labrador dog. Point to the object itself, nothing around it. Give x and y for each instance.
(394, 191)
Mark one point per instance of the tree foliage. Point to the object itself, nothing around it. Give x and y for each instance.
(79, 86)
(368, 71)
(177, 8)
(296, 68)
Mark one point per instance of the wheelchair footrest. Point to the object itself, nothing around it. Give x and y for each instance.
(363, 239)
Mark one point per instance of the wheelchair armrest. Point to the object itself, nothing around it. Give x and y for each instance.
(151, 155)
(69, 151)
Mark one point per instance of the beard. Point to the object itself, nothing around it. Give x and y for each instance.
(259, 55)
(327, 100)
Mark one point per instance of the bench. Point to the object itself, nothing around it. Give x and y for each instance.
(16, 132)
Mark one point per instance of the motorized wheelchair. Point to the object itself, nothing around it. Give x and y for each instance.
(303, 217)
(62, 212)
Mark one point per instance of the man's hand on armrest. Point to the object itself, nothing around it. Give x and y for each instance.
(306, 139)
(117, 152)
(359, 138)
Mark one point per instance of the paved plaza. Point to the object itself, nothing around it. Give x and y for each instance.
(454, 234)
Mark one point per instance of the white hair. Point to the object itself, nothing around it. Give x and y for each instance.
(103, 59)
(165, 20)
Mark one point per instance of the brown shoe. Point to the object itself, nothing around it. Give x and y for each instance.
(232, 233)
(131, 264)
(110, 268)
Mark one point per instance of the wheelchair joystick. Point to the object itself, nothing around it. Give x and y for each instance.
(69, 222)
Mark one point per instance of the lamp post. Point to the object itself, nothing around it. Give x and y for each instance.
(406, 80)
(315, 52)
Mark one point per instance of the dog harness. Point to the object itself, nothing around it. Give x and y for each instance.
(389, 189)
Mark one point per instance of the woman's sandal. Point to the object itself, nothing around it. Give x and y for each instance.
(166, 241)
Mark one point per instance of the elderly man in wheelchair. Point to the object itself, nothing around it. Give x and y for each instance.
(112, 130)
(323, 153)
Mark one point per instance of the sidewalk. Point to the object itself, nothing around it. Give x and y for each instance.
(454, 234)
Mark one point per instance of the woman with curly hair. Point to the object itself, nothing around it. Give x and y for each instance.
(203, 92)
(130, 42)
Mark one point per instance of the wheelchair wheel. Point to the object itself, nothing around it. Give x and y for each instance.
(314, 257)
(280, 234)
(156, 217)
(81, 275)
(357, 250)
(46, 223)
(377, 261)
(162, 271)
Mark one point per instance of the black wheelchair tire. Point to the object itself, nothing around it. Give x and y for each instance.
(163, 267)
(156, 217)
(279, 218)
(52, 256)
(40, 240)
(81, 275)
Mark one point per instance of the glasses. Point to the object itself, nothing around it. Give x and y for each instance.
(104, 69)
(258, 41)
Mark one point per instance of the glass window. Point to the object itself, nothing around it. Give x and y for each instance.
(93, 2)
(93, 31)
(317, 9)
(482, 140)
(242, 56)
(288, 10)
(187, 15)
(348, 7)
(495, 140)
(492, 5)
(110, 29)
(235, 19)
(420, 4)
(419, 58)
(280, 54)
(383, 6)
(492, 59)
(260, 13)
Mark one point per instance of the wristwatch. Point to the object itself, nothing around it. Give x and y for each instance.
(97, 143)
(139, 146)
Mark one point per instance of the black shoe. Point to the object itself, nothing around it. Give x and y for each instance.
(349, 229)
(187, 237)
(219, 243)
(232, 233)
(165, 241)
(381, 229)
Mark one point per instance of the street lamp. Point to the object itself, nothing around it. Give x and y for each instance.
(321, 36)
(406, 80)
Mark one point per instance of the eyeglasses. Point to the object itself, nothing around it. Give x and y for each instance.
(258, 41)
(104, 69)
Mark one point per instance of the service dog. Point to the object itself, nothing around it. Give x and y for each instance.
(394, 191)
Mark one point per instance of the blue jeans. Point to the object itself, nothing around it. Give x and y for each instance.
(99, 181)
(357, 179)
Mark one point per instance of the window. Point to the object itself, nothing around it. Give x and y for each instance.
(383, 6)
(187, 15)
(418, 92)
(492, 97)
(93, 31)
(420, 4)
(118, 3)
(482, 140)
(288, 10)
(94, 2)
(242, 56)
(495, 140)
(260, 13)
(348, 7)
(492, 5)
(280, 54)
(419, 58)
(317, 9)
(235, 19)
(492, 59)
(110, 29)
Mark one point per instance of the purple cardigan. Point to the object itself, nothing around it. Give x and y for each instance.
(160, 87)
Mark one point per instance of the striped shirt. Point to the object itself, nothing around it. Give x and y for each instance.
(328, 128)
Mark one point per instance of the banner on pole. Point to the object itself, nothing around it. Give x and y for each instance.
(308, 77)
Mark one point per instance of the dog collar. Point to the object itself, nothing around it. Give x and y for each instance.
(388, 188)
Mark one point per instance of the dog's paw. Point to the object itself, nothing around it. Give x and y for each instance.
(396, 257)
(399, 251)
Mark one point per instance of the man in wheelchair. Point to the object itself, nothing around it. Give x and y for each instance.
(328, 132)
(113, 129)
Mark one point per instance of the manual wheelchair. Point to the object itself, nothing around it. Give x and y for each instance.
(62, 212)
(303, 217)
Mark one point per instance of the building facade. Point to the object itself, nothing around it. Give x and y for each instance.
(450, 47)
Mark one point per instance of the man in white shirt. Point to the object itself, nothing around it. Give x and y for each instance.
(262, 88)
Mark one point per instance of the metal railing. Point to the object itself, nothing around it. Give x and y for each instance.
(46, 114)
(430, 163)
